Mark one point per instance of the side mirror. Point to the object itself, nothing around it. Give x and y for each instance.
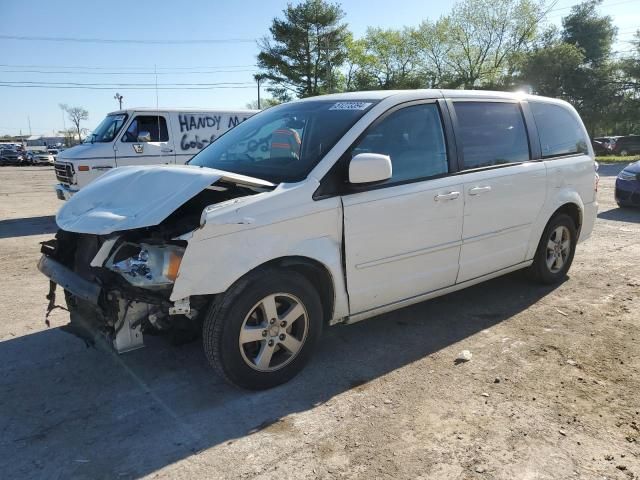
(370, 167)
(144, 136)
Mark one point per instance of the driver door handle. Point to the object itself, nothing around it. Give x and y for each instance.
(166, 150)
(479, 190)
(446, 196)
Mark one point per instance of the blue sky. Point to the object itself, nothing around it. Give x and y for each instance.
(105, 63)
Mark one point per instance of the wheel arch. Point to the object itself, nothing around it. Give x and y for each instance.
(318, 274)
(568, 203)
(574, 211)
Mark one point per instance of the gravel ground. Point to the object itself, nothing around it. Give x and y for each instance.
(551, 391)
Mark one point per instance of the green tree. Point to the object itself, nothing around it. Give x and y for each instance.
(264, 103)
(434, 47)
(593, 33)
(483, 38)
(305, 50)
(553, 70)
(385, 59)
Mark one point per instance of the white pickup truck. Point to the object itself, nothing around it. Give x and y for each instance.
(141, 137)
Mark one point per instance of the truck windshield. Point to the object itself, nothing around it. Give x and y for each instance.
(283, 143)
(108, 129)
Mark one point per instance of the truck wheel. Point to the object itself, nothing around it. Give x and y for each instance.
(263, 330)
(624, 152)
(555, 251)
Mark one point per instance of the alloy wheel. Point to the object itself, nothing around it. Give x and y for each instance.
(273, 332)
(558, 248)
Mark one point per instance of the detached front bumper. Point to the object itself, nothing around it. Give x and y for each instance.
(85, 318)
(69, 280)
(64, 192)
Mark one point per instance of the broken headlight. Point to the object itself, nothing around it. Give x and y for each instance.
(145, 265)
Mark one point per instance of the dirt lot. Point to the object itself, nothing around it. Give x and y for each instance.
(552, 390)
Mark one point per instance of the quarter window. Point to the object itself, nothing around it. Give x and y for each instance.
(492, 133)
(559, 130)
(413, 139)
(154, 124)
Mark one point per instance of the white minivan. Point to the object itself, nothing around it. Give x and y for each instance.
(141, 137)
(323, 211)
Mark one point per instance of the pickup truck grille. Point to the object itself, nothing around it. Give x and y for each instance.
(64, 172)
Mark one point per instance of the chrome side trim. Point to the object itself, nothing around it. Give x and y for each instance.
(432, 294)
(495, 233)
(415, 253)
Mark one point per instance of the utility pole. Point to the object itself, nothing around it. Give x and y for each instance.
(119, 98)
(259, 78)
(29, 121)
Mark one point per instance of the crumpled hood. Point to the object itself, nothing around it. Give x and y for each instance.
(135, 197)
(633, 167)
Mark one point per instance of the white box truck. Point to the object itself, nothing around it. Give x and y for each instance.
(141, 137)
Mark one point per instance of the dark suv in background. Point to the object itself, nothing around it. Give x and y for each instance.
(626, 145)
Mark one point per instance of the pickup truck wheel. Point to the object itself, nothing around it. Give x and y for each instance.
(264, 329)
(555, 251)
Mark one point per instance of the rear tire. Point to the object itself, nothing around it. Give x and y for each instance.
(555, 251)
(624, 153)
(263, 330)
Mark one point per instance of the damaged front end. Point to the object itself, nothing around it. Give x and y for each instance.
(117, 288)
(117, 284)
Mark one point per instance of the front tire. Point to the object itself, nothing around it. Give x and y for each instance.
(555, 251)
(264, 329)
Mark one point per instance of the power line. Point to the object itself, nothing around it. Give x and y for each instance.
(126, 41)
(198, 72)
(601, 6)
(604, 4)
(84, 67)
(126, 84)
(79, 87)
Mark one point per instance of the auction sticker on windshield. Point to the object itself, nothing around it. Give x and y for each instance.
(350, 106)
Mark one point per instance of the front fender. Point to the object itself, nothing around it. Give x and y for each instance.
(213, 262)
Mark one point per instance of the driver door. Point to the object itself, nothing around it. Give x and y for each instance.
(146, 141)
(402, 236)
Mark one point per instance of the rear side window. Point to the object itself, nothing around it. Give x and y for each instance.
(154, 124)
(492, 133)
(559, 130)
(413, 139)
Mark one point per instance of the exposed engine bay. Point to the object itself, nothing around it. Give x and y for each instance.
(117, 286)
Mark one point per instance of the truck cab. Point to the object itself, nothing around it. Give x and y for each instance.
(141, 137)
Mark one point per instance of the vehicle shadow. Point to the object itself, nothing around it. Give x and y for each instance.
(77, 412)
(626, 214)
(23, 227)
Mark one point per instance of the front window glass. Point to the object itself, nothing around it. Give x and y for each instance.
(108, 129)
(283, 143)
(413, 138)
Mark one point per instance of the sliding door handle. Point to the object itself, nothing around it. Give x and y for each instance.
(446, 196)
(479, 190)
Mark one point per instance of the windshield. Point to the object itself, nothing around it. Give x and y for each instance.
(283, 143)
(108, 129)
